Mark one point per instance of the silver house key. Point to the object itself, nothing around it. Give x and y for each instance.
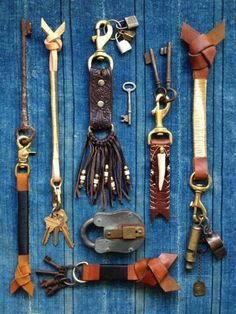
(128, 87)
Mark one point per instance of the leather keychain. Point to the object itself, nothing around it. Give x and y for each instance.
(150, 272)
(102, 169)
(160, 139)
(24, 137)
(202, 52)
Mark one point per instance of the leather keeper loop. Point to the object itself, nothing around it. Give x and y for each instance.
(100, 96)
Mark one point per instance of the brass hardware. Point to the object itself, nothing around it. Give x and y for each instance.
(199, 288)
(23, 153)
(191, 253)
(159, 116)
(197, 204)
(101, 41)
(56, 194)
(127, 34)
(126, 233)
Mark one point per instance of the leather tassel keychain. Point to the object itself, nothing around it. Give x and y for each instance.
(202, 52)
(151, 272)
(57, 220)
(24, 137)
(102, 169)
(160, 139)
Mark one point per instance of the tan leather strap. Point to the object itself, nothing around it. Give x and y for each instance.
(150, 272)
(22, 182)
(22, 276)
(201, 53)
(160, 178)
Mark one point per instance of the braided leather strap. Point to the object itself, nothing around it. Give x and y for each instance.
(150, 272)
(160, 178)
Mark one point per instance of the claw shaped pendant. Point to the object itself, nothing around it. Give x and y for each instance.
(161, 162)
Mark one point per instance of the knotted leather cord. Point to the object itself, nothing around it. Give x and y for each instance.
(23, 271)
(201, 53)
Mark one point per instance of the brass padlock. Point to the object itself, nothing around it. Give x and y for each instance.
(216, 245)
(122, 44)
(127, 34)
(131, 21)
(191, 252)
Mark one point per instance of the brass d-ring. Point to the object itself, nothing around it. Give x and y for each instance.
(197, 187)
(74, 272)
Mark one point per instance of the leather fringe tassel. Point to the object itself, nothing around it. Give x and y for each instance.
(102, 167)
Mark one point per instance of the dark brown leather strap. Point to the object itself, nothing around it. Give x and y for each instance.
(160, 188)
(202, 48)
(100, 94)
(150, 272)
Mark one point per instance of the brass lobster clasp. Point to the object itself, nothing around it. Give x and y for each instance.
(160, 114)
(23, 153)
(101, 41)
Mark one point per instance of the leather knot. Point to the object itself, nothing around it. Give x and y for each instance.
(53, 42)
(202, 48)
(22, 276)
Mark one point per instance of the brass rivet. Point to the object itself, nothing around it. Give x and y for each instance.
(100, 103)
(101, 82)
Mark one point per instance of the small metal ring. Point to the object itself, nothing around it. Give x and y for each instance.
(112, 21)
(28, 139)
(173, 93)
(56, 184)
(198, 187)
(126, 87)
(74, 272)
(22, 166)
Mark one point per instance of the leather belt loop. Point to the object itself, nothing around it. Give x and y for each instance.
(100, 96)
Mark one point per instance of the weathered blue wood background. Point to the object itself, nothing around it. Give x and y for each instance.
(160, 21)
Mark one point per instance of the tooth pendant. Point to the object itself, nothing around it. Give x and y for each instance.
(161, 160)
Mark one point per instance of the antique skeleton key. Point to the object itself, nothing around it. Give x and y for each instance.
(128, 87)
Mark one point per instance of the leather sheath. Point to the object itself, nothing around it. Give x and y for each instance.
(100, 97)
(150, 272)
(23, 271)
(159, 197)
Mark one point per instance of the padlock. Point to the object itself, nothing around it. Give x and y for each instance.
(123, 45)
(127, 35)
(130, 22)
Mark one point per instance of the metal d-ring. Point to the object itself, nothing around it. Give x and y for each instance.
(74, 272)
(83, 233)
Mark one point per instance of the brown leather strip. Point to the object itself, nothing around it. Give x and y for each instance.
(200, 167)
(159, 199)
(91, 272)
(100, 96)
(22, 276)
(22, 182)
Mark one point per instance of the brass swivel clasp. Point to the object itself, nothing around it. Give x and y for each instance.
(23, 153)
(160, 114)
(199, 210)
(101, 41)
(56, 195)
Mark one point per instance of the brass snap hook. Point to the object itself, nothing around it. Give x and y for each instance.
(101, 41)
(160, 114)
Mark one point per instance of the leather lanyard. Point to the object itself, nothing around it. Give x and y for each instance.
(54, 44)
(24, 137)
(151, 272)
(201, 53)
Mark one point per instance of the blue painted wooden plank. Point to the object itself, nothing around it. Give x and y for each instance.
(153, 32)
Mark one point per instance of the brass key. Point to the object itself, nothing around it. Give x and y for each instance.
(64, 228)
(128, 87)
(51, 222)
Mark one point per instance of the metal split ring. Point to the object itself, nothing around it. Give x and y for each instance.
(74, 272)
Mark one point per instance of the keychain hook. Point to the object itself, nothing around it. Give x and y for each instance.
(101, 41)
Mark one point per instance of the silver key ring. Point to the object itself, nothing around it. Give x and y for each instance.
(129, 87)
(117, 26)
(74, 272)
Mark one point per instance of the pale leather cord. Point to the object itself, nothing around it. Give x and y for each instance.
(53, 43)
